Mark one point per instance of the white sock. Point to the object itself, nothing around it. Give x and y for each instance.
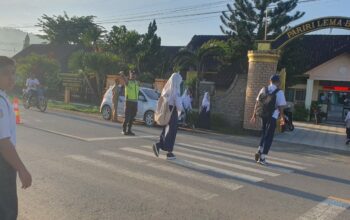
(263, 156)
(260, 149)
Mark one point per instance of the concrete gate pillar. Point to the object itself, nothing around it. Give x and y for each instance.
(262, 64)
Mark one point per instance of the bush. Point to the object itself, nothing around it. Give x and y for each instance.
(300, 113)
(192, 118)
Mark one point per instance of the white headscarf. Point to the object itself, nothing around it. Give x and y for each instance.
(171, 91)
(206, 101)
(172, 87)
(186, 100)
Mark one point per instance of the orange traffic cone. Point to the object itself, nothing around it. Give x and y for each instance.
(16, 109)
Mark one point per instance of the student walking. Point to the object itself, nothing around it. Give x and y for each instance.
(187, 105)
(347, 125)
(10, 163)
(132, 89)
(204, 116)
(269, 107)
(170, 93)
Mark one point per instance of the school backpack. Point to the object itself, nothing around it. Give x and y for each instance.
(163, 114)
(266, 104)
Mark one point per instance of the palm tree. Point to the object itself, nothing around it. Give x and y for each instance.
(196, 60)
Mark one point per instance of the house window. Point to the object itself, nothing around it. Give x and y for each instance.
(289, 95)
(300, 95)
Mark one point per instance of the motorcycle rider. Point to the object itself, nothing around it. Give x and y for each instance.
(32, 85)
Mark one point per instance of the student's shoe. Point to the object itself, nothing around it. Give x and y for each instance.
(156, 150)
(124, 133)
(170, 156)
(131, 133)
(257, 156)
(348, 142)
(262, 161)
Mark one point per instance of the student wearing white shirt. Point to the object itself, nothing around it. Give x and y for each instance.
(171, 92)
(10, 163)
(32, 85)
(269, 122)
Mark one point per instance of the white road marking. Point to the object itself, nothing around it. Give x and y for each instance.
(326, 210)
(200, 166)
(90, 139)
(250, 163)
(248, 153)
(170, 169)
(243, 156)
(119, 138)
(156, 181)
(236, 166)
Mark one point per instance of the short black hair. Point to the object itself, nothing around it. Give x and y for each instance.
(5, 61)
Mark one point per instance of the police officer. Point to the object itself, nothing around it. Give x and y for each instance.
(132, 89)
(10, 163)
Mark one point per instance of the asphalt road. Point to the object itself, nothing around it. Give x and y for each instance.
(83, 168)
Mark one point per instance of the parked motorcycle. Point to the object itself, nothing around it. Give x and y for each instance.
(35, 99)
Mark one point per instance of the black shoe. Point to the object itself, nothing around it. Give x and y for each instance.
(262, 162)
(347, 142)
(131, 133)
(257, 156)
(170, 156)
(156, 150)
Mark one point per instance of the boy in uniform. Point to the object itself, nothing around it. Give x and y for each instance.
(10, 163)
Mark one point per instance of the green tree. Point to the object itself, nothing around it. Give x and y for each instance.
(196, 60)
(26, 42)
(150, 50)
(63, 29)
(98, 64)
(46, 70)
(245, 19)
(125, 43)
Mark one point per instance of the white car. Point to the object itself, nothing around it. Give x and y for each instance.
(147, 104)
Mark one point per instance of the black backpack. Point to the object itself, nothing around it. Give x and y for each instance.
(266, 104)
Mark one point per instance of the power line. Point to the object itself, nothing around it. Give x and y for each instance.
(149, 17)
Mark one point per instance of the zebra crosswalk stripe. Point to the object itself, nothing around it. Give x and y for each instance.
(159, 182)
(329, 209)
(241, 156)
(236, 166)
(249, 153)
(166, 168)
(201, 166)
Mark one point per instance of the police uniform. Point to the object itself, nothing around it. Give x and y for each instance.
(8, 190)
(132, 96)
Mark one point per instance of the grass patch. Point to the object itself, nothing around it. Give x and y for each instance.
(90, 109)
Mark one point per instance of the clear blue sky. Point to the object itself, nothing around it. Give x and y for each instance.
(174, 31)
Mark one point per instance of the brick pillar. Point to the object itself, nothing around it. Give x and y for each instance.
(262, 64)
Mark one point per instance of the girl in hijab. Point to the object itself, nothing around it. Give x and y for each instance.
(187, 104)
(171, 92)
(204, 116)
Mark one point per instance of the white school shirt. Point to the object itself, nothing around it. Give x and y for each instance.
(7, 119)
(32, 83)
(280, 99)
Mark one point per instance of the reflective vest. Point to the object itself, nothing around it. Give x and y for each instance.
(132, 91)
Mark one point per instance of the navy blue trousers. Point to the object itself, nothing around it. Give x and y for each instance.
(168, 135)
(268, 131)
(8, 191)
